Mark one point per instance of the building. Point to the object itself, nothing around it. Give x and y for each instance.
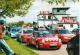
(46, 19)
(68, 22)
(60, 11)
(57, 19)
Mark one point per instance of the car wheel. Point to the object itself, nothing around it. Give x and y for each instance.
(71, 52)
(19, 40)
(37, 46)
(27, 44)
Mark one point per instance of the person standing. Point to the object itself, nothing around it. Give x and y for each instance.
(3, 44)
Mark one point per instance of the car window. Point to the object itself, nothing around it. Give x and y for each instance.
(27, 31)
(64, 31)
(36, 34)
(54, 31)
(15, 30)
(76, 30)
(44, 33)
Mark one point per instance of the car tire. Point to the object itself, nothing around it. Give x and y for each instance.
(37, 46)
(18, 39)
(71, 52)
(28, 44)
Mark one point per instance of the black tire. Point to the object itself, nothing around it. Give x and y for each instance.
(37, 46)
(71, 52)
(19, 40)
(27, 44)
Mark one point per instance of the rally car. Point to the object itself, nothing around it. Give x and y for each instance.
(44, 40)
(26, 33)
(76, 31)
(14, 32)
(64, 34)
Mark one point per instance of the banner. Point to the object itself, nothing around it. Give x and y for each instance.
(68, 20)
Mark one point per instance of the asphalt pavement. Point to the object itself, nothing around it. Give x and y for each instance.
(61, 51)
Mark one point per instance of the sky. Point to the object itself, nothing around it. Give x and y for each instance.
(40, 5)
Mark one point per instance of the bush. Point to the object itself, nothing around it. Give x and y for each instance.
(6, 37)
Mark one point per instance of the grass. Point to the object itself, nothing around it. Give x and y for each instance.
(18, 48)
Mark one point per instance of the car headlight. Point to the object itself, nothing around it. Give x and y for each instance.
(56, 36)
(59, 40)
(47, 39)
(43, 41)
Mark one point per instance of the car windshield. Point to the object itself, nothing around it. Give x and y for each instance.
(27, 31)
(53, 31)
(63, 31)
(44, 33)
(76, 30)
(15, 30)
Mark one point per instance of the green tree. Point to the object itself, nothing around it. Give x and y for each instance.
(29, 24)
(14, 7)
(20, 23)
(59, 1)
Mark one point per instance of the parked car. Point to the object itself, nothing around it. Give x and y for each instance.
(25, 34)
(44, 40)
(14, 32)
(64, 34)
(73, 45)
(76, 31)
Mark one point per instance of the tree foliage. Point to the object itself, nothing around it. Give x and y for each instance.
(14, 7)
(29, 24)
(20, 23)
(60, 1)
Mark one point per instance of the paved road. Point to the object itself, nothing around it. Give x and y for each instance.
(61, 51)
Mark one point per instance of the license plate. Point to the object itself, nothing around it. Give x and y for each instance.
(53, 44)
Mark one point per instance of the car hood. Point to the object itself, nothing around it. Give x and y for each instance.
(49, 38)
(69, 35)
(26, 34)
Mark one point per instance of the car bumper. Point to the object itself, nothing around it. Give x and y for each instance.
(24, 40)
(50, 46)
(13, 36)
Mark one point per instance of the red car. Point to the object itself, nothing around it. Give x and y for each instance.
(44, 40)
(64, 34)
(25, 35)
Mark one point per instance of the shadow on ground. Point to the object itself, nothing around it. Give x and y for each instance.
(34, 48)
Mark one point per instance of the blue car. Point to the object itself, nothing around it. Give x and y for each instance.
(15, 32)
